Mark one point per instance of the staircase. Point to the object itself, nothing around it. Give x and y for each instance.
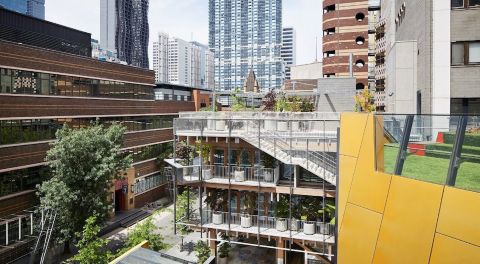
(278, 146)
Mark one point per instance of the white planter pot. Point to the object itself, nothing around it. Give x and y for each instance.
(282, 126)
(220, 125)
(239, 176)
(309, 228)
(295, 126)
(270, 125)
(217, 218)
(294, 225)
(324, 229)
(245, 221)
(268, 176)
(281, 225)
(210, 124)
(207, 174)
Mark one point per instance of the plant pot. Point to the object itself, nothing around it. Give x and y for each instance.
(294, 225)
(268, 176)
(295, 126)
(220, 125)
(210, 124)
(239, 176)
(324, 229)
(217, 218)
(270, 125)
(309, 228)
(207, 174)
(245, 221)
(281, 225)
(282, 126)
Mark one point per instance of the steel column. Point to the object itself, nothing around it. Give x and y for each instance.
(455, 158)
(402, 151)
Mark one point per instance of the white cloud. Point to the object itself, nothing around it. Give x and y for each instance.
(189, 18)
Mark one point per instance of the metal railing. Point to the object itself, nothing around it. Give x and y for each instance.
(268, 222)
(232, 172)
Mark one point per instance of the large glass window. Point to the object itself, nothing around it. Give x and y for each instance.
(473, 3)
(22, 180)
(474, 52)
(457, 3)
(458, 53)
(27, 82)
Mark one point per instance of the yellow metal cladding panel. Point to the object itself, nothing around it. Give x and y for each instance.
(369, 188)
(352, 128)
(346, 168)
(409, 221)
(359, 235)
(460, 215)
(447, 250)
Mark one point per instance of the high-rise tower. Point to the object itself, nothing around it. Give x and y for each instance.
(289, 53)
(246, 35)
(34, 8)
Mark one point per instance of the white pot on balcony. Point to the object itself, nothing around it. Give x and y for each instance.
(207, 174)
(309, 228)
(239, 176)
(295, 125)
(245, 220)
(210, 124)
(282, 126)
(270, 125)
(281, 224)
(220, 125)
(294, 224)
(268, 176)
(324, 229)
(217, 218)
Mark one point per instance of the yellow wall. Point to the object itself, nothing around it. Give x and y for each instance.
(391, 219)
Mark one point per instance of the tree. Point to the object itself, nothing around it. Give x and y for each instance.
(269, 101)
(83, 162)
(202, 251)
(145, 231)
(91, 248)
(239, 103)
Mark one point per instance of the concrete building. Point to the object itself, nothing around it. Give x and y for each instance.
(104, 55)
(307, 71)
(289, 50)
(246, 35)
(431, 54)
(345, 32)
(180, 62)
(35, 8)
(124, 27)
(160, 58)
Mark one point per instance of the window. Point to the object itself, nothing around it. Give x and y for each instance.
(472, 3)
(458, 53)
(457, 3)
(360, 17)
(474, 52)
(360, 63)
(360, 40)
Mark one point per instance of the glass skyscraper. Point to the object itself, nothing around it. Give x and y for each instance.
(34, 8)
(246, 35)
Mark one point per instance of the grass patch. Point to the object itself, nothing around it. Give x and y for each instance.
(434, 169)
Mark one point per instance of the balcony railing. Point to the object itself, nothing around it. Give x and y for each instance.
(232, 173)
(267, 224)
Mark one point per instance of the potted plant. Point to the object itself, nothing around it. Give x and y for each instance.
(282, 213)
(268, 162)
(329, 218)
(249, 208)
(239, 173)
(204, 152)
(217, 201)
(310, 213)
(184, 153)
(224, 249)
(296, 210)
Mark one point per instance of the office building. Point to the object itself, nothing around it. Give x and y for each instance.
(48, 88)
(246, 35)
(180, 62)
(430, 52)
(28, 30)
(289, 50)
(124, 27)
(35, 8)
(345, 34)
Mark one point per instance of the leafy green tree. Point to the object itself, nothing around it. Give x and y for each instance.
(91, 248)
(185, 204)
(145, 231)
(202, 251)
(238, 103)
(84, 162)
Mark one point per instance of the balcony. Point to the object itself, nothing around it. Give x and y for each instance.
(218, 174)
(269, 226)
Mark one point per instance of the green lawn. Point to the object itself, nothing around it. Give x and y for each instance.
(434, 169)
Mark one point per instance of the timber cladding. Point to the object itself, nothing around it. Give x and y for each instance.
(44, 60)
(14, 106)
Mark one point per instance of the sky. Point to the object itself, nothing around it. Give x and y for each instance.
(188, 19)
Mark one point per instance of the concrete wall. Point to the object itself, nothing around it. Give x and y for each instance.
(336, 94)
(306, 71)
